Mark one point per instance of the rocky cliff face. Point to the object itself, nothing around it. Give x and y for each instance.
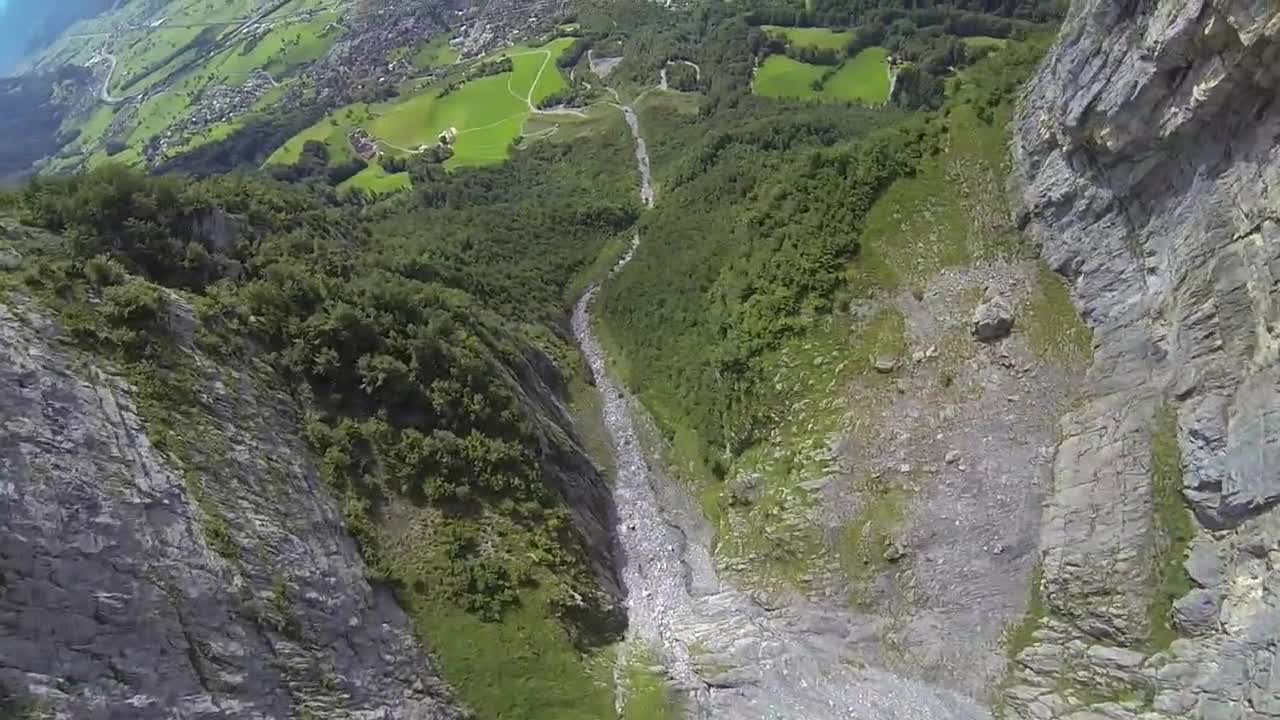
(1150, 176)
(134, 585)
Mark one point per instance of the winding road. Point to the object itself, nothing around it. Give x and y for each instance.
(729, 657)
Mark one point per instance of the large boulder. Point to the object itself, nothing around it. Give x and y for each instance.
(993, 319)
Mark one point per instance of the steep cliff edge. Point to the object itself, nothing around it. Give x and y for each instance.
(204, 519)
(133, 585)
(1149, 178)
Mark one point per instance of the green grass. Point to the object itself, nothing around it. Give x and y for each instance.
(568, 128)
(485, 113)
(821, 38)
(1053, 326)
(978, 41)
(952, 212)
(142, 54)
(648, 697)
(157, 114)
(872, 530)
(332, 130)
(774, 535)
(96, 124)
(868, 534)
(376, 181)
(862, 78)
(1022, 635)
(284, 48)
(488, 113)
(435, 53)
(522, 667)
(782, 77)
(1174, 526)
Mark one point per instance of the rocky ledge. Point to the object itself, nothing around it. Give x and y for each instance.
(1150, 177)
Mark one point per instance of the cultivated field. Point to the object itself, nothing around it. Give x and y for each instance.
(488, 113)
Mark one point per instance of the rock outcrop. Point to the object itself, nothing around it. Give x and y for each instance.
(1150, 177)
(993, 319)
(136, 586)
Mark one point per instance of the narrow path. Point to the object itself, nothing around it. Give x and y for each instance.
(662, 74)
(106, 95)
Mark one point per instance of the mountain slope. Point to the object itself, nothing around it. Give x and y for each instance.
(246, 386)
(133, 580)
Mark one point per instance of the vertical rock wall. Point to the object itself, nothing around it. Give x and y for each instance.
(1150, 176)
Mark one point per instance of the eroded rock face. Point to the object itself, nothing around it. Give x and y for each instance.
(1150, 176)
(133, 588)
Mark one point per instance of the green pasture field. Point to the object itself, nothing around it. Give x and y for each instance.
(821, 38)
(862, 78)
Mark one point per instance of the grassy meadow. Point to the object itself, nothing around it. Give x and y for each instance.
(821, 38)
(862, 78)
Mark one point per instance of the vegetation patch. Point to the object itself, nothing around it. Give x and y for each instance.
(331, 130)
(1174, 529)
(435, 53)
(319, 299)
(952, 211)
(868, 541)
(863, 78)
(1054, 328)
(1022, 635)
(813, 37)
(984, 41)
(521, 665)
(483, 116)
(287, 46)
(376, 181)
(783, 77)
(487, 114)
(648, 697)
(763, 509)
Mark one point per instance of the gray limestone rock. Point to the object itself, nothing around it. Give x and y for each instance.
(885, 364)
(993, 319)
(132, 586)
(1196, 613)
(1148, 174)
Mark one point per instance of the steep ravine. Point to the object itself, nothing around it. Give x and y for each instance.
(729, 656)
(1150, 177)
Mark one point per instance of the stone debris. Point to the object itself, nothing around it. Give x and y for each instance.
(885, 364)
